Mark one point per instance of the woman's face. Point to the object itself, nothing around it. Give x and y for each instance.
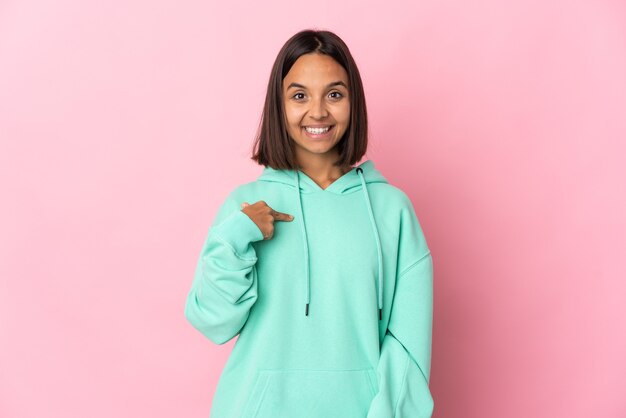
(316, 103)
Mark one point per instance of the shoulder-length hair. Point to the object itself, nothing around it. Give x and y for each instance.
(273, 145)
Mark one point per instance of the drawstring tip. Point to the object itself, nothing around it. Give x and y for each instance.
(380, 314)
(307, 309)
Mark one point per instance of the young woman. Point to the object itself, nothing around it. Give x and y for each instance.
(321, 267)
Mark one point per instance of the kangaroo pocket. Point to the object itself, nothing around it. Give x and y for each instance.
(311, 393)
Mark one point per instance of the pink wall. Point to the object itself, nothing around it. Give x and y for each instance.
(124, 124)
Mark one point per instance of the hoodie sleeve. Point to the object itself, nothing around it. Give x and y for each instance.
(224, 286)
(403, 369)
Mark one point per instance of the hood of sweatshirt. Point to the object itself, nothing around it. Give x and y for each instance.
(356, 180)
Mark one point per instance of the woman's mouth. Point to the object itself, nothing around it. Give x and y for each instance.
(320, 132)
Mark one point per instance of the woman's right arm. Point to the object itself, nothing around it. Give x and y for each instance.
(224, 286)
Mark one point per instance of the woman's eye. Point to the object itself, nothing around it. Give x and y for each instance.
(295, 96)
(338, 94)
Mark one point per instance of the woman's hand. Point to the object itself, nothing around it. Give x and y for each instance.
(264, 217)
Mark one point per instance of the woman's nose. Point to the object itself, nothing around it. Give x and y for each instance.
(318, 109)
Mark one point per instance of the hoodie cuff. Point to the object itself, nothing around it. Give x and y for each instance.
(238, 230)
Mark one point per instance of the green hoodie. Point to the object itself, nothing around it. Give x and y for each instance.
(333, 313)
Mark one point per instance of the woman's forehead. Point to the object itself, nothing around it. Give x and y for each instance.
(315, 70)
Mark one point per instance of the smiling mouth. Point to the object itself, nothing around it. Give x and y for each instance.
(318, 131)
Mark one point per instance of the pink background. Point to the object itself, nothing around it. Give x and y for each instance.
(124, 125)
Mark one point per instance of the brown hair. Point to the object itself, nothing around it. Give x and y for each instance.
(272, 145)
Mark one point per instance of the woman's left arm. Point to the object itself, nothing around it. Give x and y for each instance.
(404, 366)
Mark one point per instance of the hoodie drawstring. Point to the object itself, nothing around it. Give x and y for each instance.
(380, 253)
(307, 297)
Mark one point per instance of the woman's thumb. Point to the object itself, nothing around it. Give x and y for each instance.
(244, 204)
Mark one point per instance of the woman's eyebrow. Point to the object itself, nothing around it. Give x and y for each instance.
(334, 83)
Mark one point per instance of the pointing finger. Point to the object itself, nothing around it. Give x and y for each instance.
(280, 216)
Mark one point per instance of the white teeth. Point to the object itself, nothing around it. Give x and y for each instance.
(317, 131)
